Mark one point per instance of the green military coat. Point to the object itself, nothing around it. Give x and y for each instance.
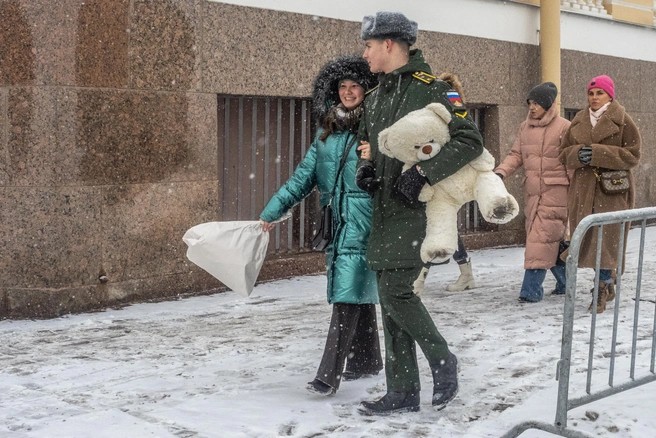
(397, 230)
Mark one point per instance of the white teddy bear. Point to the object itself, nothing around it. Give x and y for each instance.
(419, 136)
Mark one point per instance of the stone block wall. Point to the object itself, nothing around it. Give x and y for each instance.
(108, 133)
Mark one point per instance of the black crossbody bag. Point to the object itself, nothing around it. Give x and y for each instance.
(323, 235)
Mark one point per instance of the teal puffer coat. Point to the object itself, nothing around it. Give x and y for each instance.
(349, 279)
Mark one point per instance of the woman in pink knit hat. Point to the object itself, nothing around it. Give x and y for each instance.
(601, 138)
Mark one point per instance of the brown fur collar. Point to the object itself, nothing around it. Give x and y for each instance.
(609, 124)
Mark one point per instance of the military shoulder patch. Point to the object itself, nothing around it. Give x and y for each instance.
(424, 77)
(454, 98)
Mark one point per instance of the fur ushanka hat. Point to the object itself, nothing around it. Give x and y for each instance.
(325, 93)
(392, 25)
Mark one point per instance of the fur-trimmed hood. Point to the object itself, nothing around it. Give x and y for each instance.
(326, 85)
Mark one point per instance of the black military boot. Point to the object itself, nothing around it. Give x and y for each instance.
(390, 403)
(445, 381)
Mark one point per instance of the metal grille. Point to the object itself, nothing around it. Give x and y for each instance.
(261, 140)
(470, 219)
(569, 113)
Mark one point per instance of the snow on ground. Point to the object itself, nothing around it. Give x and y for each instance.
(228, 366)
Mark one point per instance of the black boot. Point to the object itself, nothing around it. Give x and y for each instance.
(391, 403)
(318, 387)
(445, 381)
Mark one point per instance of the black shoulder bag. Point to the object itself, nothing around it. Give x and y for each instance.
(323, 236)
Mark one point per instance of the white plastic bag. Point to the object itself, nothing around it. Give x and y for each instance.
(232, 252)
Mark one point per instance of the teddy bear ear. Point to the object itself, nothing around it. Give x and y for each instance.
(440, 110)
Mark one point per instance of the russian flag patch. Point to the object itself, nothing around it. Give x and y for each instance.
(454, 98)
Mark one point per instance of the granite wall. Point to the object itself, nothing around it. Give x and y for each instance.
(108, 133)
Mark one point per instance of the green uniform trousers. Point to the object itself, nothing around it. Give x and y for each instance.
(406, 321)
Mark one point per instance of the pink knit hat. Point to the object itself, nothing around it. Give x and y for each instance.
(605, 83)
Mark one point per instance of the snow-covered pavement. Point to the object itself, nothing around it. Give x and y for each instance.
(228, 366)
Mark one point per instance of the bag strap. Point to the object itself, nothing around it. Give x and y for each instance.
(597, 174)
(341, 165)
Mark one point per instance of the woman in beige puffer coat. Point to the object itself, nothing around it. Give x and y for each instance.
(536, 148)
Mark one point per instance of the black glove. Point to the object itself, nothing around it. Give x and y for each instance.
(365, 178)
(408, 186)
(499, 175)
(585, 155)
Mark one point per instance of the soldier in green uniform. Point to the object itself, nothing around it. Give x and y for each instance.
(399, 219)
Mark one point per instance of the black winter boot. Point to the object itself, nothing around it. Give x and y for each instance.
(318, 387)
(391, 403)
(445, 381)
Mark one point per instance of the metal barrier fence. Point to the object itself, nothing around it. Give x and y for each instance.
(564, 402)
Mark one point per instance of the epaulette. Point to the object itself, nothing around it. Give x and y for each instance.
(372, 89)
(424, 77)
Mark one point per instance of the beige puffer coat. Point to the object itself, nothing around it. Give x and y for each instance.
(615, 143)
(545, 186)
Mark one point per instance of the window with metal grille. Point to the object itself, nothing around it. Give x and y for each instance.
(569, 113)
(261, 140)
(470, 219)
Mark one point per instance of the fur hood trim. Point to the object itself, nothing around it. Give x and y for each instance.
(325, 92)
(453, 80)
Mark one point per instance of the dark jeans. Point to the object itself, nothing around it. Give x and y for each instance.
(352, 338)
(460, 256)
(532, 288)
(605, 276)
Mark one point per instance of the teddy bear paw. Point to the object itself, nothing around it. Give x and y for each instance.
(502, 211)
(426, 194)
(436, 255)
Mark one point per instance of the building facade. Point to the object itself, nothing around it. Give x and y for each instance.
(124, 123)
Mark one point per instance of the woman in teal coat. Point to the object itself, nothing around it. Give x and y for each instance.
(338, 94)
